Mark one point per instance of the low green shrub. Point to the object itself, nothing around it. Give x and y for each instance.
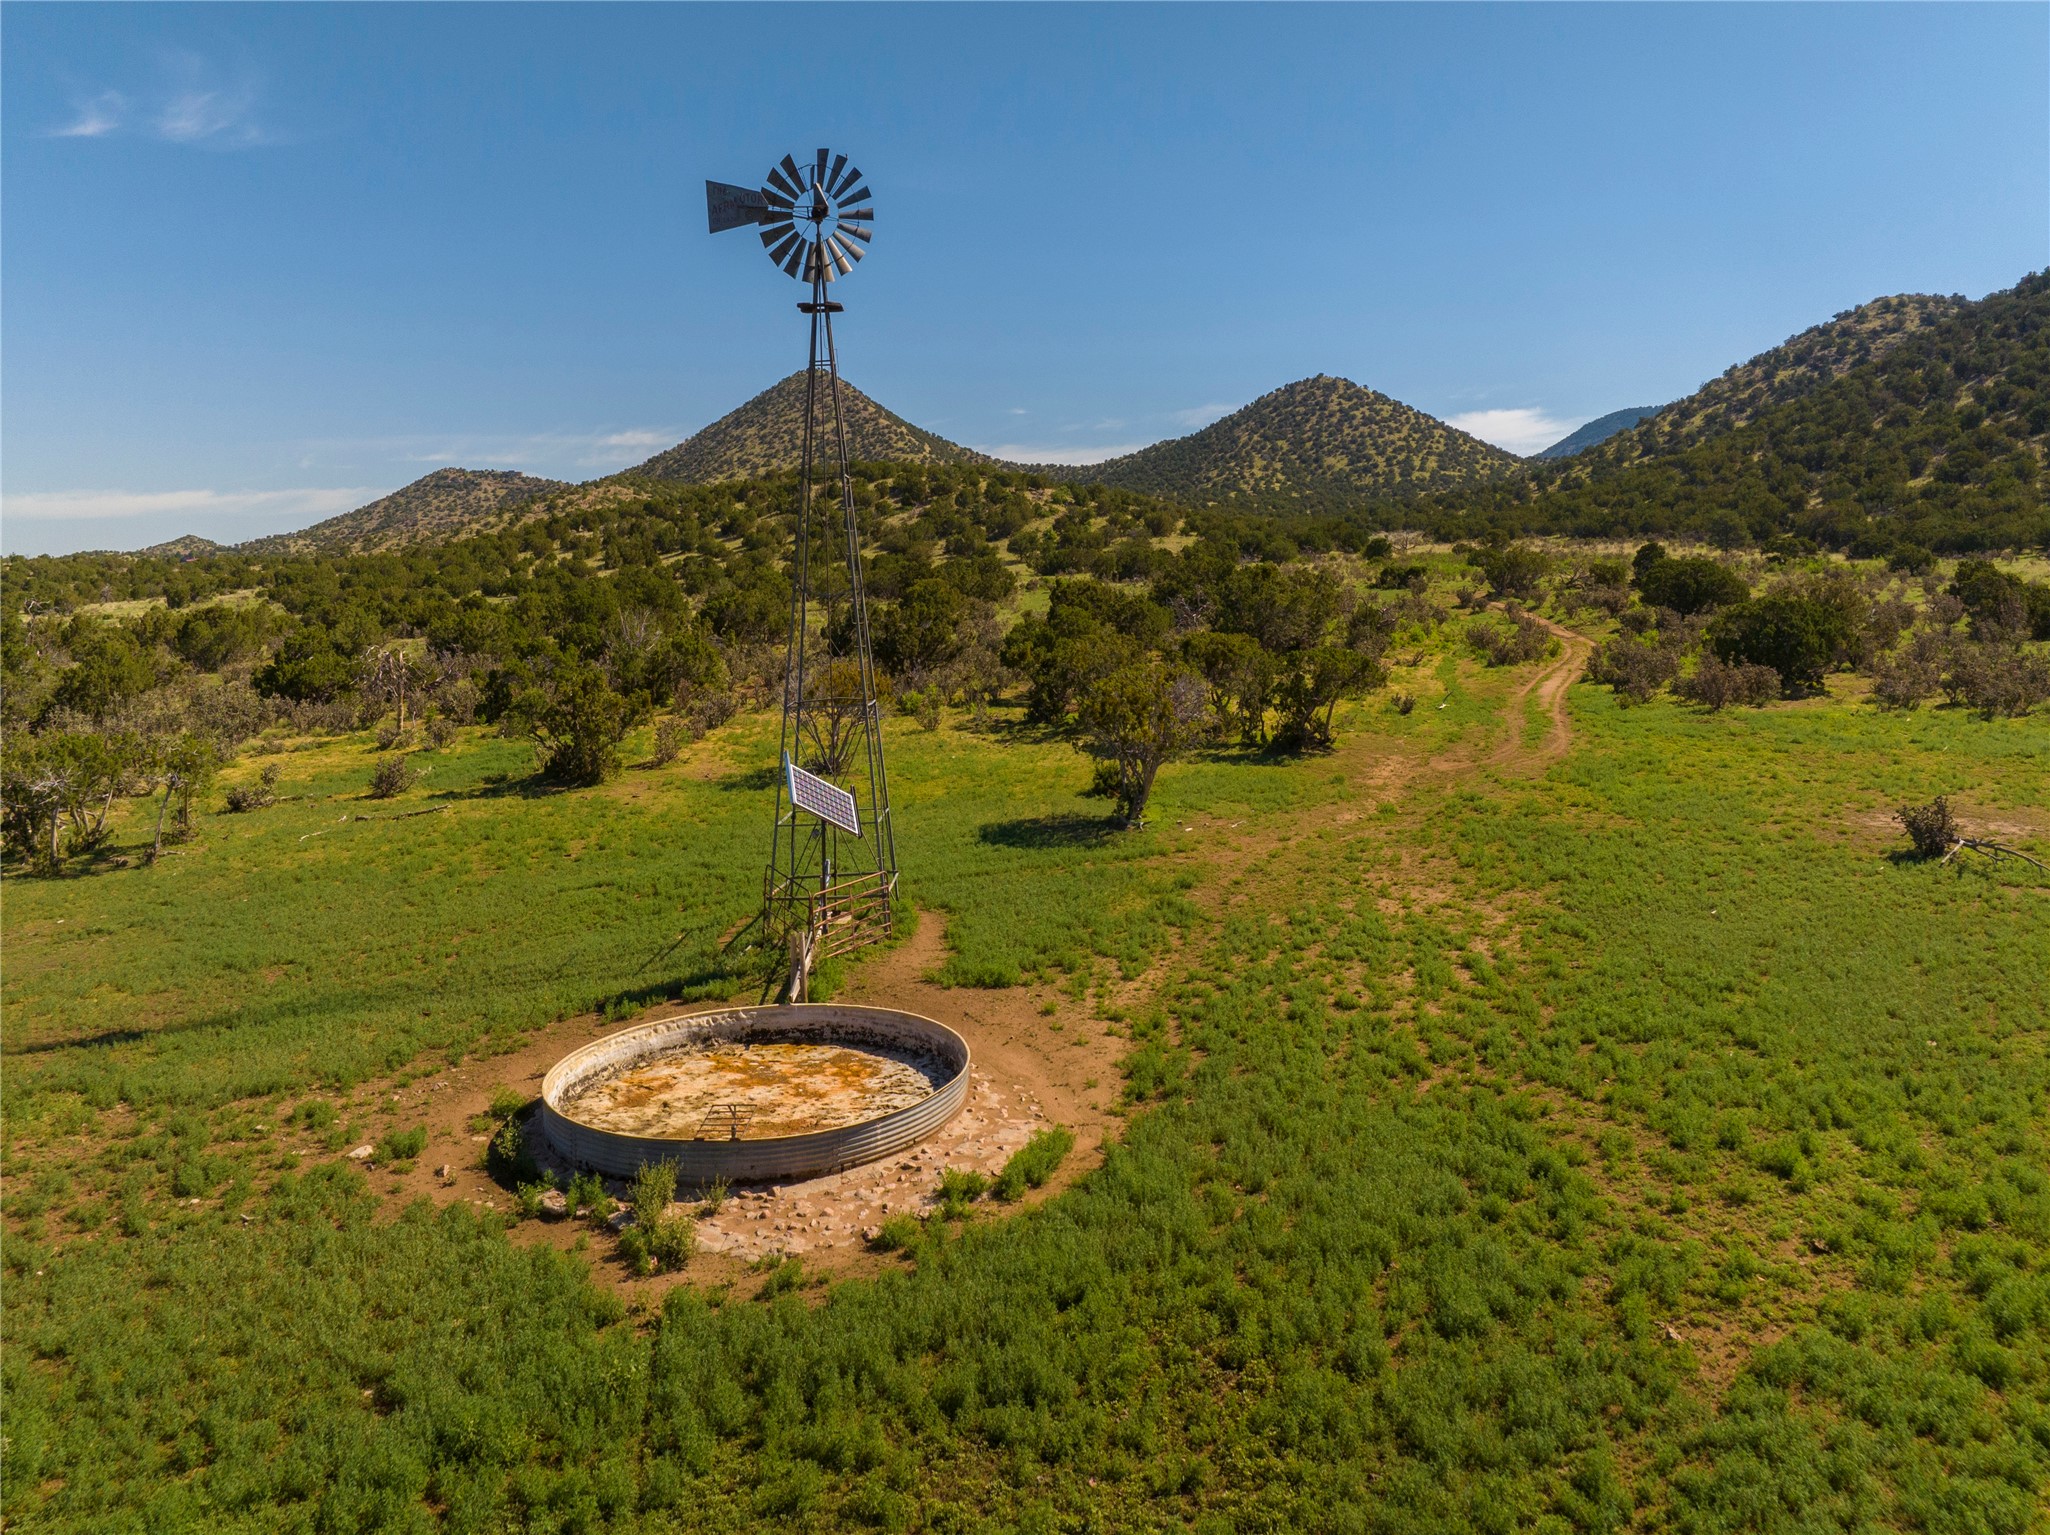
(634, 1252)
(507, 1101)
(507, 1157)
(654, 1187)
(1034, 1162)
(785, 1275)
(401, 1146)
(587, 1192)
(672, 1240)
(958, 1188)
(897, 1233)
(393, 776)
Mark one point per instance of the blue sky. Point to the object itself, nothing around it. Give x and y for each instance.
(264, 263)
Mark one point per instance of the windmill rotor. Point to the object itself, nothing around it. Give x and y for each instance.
(815, 220)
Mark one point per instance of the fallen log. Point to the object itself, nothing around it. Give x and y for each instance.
(1990, 850)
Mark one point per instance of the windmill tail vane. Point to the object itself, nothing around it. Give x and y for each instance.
(831, 882)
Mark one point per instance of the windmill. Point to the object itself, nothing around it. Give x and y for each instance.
(832, 874)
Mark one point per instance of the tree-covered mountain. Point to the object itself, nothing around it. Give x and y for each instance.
(766, 435)
(1321, 442)
(1909, 420)
(1601, 429)
(189, 547)
(1791, 371)
(445, 504)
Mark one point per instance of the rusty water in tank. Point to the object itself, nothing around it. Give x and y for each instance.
(781, 1088)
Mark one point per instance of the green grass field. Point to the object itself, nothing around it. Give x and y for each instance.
(1625, 1141)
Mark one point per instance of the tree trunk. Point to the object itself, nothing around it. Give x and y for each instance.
(1142, 791)
(163, 805)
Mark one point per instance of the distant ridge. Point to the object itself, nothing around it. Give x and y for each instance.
(1601, 429)
(189, 547)
(436, 507)
(1318, 441)
(767, 435)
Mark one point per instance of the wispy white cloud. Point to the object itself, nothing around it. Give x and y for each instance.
(65, 521)
(1525, 430)
(199, 117)
(97, 116)
(550, 453)
(192, 101)
(113, 505)
(1196, 417)
(1028, 453)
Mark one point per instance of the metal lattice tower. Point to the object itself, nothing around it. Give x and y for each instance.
(831, 882)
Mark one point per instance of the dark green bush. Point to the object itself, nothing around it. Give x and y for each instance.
(1690, 586)
(1797, 636)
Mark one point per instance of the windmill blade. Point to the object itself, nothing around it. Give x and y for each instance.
(783, 183)
(798, 250)
(848, 249)
(790, 238)
(795, 176)
(840, 261)
(729, 207)
(818, 175)
(860, 232)
(776, 230)
(857, 197)
(841, 183)
(777, 200)
(858, 215)
(833, 177)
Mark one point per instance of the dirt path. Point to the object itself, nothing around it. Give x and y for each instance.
(1549, 688)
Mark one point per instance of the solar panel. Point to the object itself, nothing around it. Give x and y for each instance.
(829, 802)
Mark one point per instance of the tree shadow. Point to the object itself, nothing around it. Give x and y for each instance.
(1023, 732)
(101, 1040)
(752, 780)
(533, 786)
(1067, 829)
